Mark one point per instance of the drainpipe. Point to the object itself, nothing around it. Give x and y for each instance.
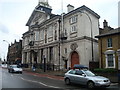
(59, 21)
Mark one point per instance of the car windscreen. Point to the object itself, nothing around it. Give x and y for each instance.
(15, 66)
(89, 73)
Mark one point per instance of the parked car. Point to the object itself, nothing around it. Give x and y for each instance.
(78, 66)
(4, 65)
(85, 77)
(14, 68)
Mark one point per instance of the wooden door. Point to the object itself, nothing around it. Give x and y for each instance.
(74, 59)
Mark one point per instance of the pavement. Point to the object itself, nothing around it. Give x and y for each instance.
(58, 75)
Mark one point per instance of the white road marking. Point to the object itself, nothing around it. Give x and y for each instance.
(39, 83)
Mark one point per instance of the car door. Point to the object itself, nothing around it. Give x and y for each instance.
(10, 67)
(71, 75)
(80, 77)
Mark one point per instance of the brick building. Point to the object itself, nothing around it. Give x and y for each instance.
(14, 55)
(109, 44)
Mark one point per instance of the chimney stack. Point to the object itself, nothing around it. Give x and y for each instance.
(70, 8)
(105, 24)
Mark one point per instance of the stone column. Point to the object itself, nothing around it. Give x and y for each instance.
(32, 58)
(28, 57)
(23, 57)
(38, 56)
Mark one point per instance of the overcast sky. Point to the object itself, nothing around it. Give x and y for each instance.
(14, 14)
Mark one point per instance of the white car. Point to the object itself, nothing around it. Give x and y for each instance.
(85, 77)
(4, 65)
(14, 68)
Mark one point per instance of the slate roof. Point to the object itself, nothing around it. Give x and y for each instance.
(111, 32)
(81, 9)
(48, 11)
(53, 17)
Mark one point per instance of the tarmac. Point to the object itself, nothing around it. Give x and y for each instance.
(59, 75)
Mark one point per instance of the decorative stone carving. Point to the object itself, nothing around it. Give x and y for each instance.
(73, 46)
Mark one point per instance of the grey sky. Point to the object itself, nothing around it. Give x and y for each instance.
(4, 29)
(15, 13)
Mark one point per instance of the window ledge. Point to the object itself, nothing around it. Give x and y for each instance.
(109, 47)
(73, 32)
(111, 67)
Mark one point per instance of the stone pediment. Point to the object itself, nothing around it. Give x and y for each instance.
(39, 14)
(37, 17)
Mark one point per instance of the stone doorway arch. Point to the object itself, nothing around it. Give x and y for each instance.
(74, 58)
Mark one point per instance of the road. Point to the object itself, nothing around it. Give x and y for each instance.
(28, 80)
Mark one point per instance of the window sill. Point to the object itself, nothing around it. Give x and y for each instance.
(50, 39)
(41, 41)
(109, 47)
(73, 34)
(73, 23)
(110, 67)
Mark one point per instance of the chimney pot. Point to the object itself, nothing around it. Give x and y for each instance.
(70, 7)
(105, 24)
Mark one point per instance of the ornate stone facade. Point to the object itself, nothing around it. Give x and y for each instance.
(56, 40)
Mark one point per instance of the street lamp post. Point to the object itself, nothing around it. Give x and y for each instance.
(92, 52)
(7, 43)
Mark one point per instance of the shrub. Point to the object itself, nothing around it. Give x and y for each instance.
(107, 70)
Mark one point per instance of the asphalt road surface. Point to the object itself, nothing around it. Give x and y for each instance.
(29, 81)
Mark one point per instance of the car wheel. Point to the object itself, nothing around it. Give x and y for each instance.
(67, 81)
(90, 84)
(9, 71)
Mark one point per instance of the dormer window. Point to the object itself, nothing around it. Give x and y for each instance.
(41, 9)
(48, 16)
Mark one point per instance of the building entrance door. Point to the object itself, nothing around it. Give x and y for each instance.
(74, 59)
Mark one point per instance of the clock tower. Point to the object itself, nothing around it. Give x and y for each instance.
(41, 13)
(44, 3)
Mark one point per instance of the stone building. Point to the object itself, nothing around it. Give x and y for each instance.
(14, 55)
(109, 45)
(60, 41)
